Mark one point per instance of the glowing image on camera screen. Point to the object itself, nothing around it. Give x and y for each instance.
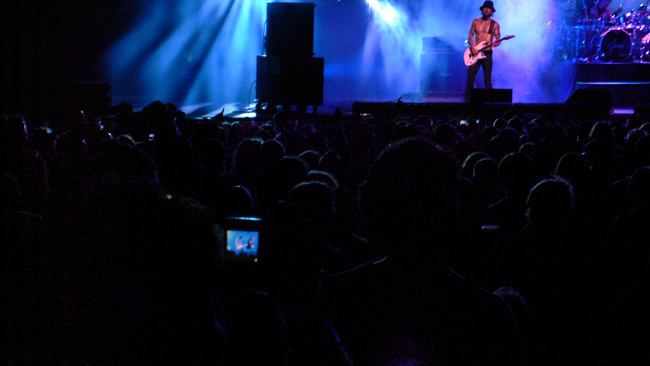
(241, 242)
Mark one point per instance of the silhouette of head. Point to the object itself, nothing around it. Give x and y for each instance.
(639, 185)
(314, 200)
(323, 177)
(550, 202)
(411, 190)
(470, 162)
(516, 172)
(572, 167)
(239, 202)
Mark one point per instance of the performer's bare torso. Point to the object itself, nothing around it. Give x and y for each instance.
(480, 29)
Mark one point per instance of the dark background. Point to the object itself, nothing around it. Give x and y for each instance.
(48, 46)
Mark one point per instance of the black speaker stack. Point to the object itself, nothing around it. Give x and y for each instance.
(482, 96)
(288, 74)
(442, 72)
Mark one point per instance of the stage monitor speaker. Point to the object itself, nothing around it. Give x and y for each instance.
(290, 30)
(591, 96)
(481, 96)
(594, 102)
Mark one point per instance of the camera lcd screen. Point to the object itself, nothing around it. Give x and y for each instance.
(242, 240)
(242, 243)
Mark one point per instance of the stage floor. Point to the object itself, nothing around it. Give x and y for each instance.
(328, 109)
(629, 84)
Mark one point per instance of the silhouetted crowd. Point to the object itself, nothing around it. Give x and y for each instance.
(517, 240)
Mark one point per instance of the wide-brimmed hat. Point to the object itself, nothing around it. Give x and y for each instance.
(488, 4)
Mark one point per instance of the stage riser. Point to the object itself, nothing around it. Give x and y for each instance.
(623, 95)
(629, 83)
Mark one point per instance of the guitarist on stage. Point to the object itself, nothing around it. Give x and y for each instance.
(486, 30)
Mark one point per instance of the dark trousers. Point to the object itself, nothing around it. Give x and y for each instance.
(487, 74)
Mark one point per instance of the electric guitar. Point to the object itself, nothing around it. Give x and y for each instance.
(471, 60)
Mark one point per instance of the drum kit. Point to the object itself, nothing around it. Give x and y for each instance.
(615, 38)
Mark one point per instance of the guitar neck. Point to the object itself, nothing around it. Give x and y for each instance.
(497, 41)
